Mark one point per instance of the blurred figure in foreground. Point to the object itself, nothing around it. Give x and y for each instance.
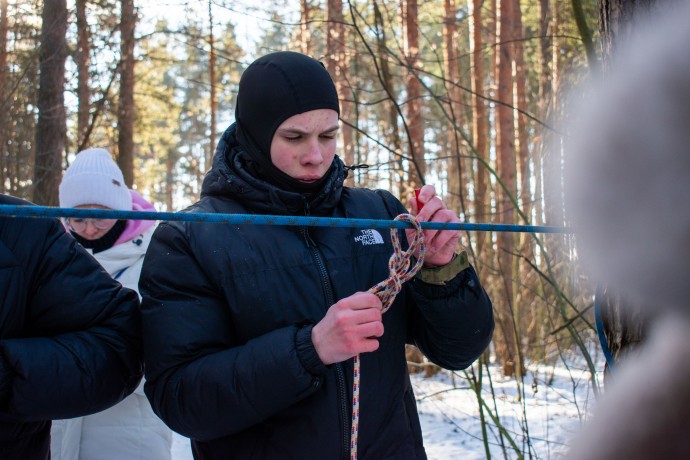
(629, 191)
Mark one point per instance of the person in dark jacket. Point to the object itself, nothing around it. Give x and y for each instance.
(250, 332)
(70, 336)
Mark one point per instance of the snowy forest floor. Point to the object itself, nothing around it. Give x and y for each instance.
(557, 399)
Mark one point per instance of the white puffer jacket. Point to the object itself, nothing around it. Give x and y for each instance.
(130, 430)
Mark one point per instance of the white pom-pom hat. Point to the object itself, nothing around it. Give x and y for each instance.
(94, 178)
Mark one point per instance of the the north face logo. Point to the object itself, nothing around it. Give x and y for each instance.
(369, 236)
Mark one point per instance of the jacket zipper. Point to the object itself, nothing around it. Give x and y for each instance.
(344, 419)
(318, 259)
(330, 300)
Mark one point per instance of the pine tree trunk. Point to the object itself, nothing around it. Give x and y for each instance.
(413, 107)
(334, 37)
(338, 66)
(212, 84)
(126, 113)
(83, 59)
(492, 88)
(505, 154)
(624, 325)
(304, 28)
(454, 165)
(51, 127)
(616, 20)
(4, 107)
(521, 133)
(553, 202)
(521, 126)
(524, 310)
(545, 94)
(534, 329)
(392, 138)
(480, 125)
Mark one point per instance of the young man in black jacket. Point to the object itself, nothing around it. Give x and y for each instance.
(250, 332)
(70, 336)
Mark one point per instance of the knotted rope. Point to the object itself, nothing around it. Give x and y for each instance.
(399, 271)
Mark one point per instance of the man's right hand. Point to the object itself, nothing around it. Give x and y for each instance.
(351, 326)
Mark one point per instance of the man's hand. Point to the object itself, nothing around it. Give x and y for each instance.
(351, 326)
(440, 244)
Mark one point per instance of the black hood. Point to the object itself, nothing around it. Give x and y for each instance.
(234, 175)
(272, 89)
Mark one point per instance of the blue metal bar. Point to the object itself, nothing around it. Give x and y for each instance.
(257, 219)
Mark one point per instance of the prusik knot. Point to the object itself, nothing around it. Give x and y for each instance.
(399, 271)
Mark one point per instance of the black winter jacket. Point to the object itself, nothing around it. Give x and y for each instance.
(69, 335)
(228, 311)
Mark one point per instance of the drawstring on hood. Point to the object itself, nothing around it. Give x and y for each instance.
(359, 166)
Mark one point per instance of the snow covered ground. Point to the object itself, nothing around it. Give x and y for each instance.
(557, 400)
(540, 425)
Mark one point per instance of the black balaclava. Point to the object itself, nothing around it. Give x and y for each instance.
(272, 89)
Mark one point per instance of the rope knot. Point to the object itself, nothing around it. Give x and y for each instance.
(399, 271)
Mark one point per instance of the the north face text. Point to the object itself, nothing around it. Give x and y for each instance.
(369, 237)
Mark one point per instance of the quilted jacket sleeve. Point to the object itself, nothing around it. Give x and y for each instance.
(69, 335)
(451, 324)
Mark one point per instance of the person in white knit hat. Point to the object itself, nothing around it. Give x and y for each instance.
(129, 429)
(94, 180)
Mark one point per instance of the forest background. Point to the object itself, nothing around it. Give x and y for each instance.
(467, 95)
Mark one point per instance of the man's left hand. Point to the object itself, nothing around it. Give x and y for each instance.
(440, 244)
